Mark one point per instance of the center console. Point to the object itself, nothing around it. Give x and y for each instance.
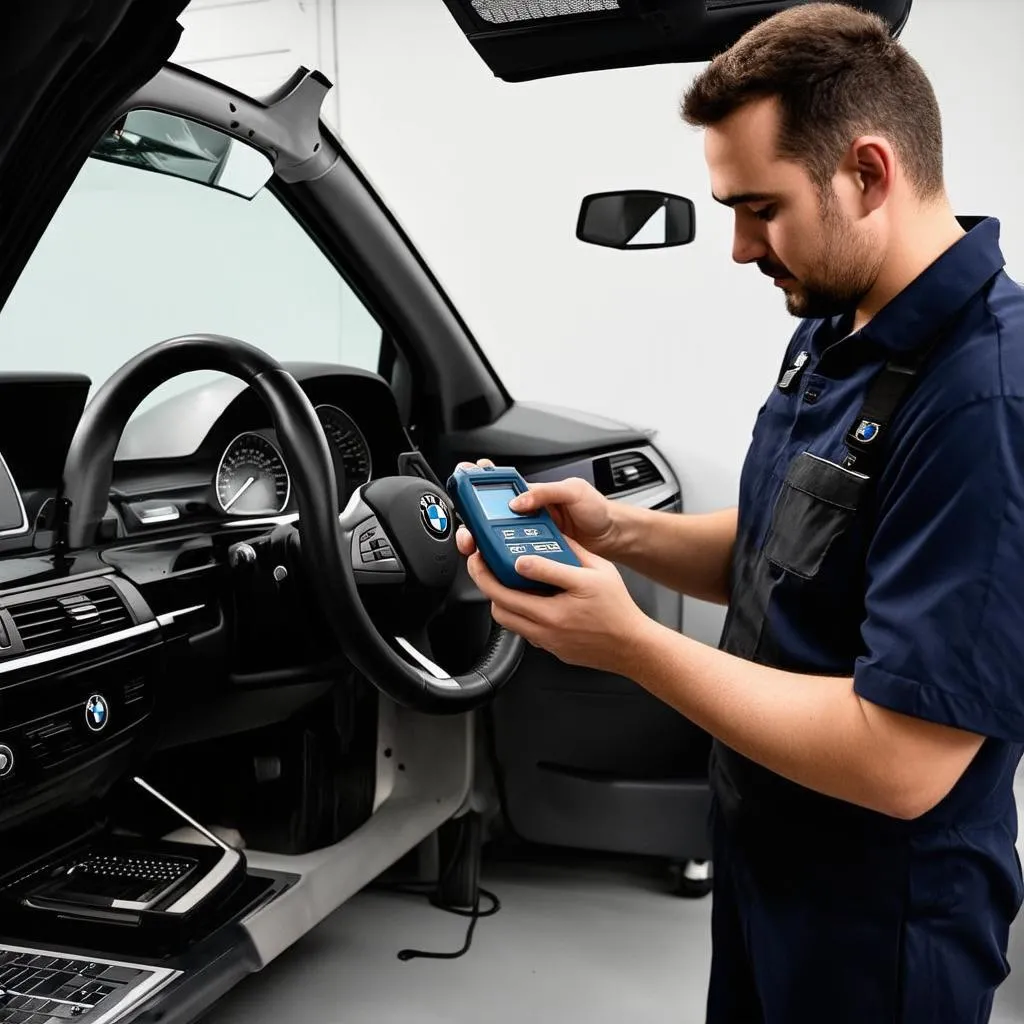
(101, 914)
(116, 905)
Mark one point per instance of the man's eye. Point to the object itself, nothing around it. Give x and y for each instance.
(765, 213)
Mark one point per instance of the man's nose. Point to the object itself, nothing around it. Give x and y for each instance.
(747, 247)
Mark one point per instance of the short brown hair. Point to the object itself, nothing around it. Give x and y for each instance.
(837, 73)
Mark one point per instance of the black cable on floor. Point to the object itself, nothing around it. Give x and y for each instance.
(474, 915)
(430, 890)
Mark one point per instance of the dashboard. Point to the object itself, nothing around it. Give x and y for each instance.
(87, 643)
(211, 454)
(252, 478)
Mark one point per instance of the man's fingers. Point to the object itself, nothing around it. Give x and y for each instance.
(464, 541)
(525, 628)
(542, 495)
(528, 606)
(547, 570)
(587, 558)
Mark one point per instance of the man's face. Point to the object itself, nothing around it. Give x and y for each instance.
(815, 247)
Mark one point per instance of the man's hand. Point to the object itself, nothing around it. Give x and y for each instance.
(593, 623)
(579, 510)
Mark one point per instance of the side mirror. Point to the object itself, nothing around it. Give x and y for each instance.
(636, 219)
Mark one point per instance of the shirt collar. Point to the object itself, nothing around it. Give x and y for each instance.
(936, 295)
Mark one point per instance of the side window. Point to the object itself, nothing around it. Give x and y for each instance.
(134, 257)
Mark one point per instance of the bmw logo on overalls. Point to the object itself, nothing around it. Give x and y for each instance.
(435, 516)
(96, 712)
(866, 431)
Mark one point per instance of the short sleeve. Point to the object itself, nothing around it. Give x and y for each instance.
(944, 601)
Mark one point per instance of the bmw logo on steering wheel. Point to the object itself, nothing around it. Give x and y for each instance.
(97, 712)
(436, 517)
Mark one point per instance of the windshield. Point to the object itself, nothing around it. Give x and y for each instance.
(134, 257)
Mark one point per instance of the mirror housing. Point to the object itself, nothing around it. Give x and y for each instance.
(636, 219)
(169, 144)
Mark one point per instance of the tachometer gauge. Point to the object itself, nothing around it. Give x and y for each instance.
(252, 478)
(348, 444)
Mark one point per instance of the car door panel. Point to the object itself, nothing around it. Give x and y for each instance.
(589, 759)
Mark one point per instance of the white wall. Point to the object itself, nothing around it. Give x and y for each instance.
(254, 45)
(487, 178)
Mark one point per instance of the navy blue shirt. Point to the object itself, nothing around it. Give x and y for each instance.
(921, 600)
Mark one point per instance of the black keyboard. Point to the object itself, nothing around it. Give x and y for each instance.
(126, 876)
(40, 988)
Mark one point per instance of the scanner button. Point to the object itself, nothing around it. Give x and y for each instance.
(511, 533)
(518, 549)
(548, 547)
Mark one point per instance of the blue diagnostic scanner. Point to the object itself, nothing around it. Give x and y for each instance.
(481, 496)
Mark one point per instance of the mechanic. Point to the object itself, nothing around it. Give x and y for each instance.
(867, 698)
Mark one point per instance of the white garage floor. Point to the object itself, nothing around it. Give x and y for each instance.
(576, 941)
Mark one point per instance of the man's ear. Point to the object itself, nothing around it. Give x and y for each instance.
(870, 165)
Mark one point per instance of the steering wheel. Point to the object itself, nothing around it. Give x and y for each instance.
(396, 531)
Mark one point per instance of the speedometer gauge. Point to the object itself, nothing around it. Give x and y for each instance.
(348, 444)
(252, 478)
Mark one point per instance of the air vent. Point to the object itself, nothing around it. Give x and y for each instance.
(134, 690)
(625, 471)
(54, 740)
(62, 620)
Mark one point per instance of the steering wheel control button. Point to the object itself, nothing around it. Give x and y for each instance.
(97, 713)
(376, 554)
(6, 760)
(436, 517)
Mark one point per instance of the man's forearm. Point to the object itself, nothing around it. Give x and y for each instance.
(692, 554)
(814, 730)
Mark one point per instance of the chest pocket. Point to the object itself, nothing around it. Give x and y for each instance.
(818, 504)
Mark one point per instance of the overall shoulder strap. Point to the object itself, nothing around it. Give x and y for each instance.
(886, 393)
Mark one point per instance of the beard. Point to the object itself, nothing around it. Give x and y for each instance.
(844, 270)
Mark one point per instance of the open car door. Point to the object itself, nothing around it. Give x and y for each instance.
(521, 40)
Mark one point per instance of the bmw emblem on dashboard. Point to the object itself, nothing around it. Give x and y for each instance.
(436, 517)
(97, 712)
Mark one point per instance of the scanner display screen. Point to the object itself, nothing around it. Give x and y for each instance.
(494, 499)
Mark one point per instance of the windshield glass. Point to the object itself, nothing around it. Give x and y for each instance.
(134, 257)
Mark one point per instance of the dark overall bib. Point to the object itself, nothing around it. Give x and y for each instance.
(811, 893)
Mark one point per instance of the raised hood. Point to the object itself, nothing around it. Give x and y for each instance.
(65, 67)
